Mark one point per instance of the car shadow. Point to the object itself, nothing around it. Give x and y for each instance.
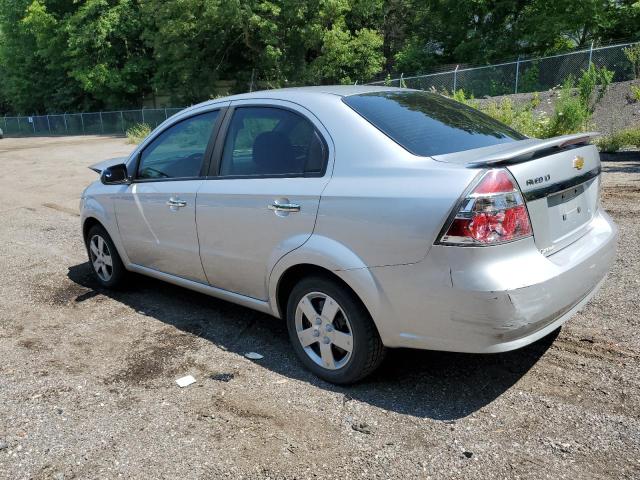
(437, 385)
(632, 166)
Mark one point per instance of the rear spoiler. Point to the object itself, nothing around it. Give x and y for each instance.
(514, 152)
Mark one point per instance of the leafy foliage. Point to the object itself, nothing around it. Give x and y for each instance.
(571, 114)
(102, 57)
(529, 79)
(61, 55)
(635, 93)
(572, 110)
(138, 133)
(521, 117)
(592, 85)
(633, 55)
(619, 140)
(346, 57)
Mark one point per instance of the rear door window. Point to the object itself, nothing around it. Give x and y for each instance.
(430, 124)
(263, 141)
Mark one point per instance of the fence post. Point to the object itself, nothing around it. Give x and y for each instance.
(82, 122)
(142, 114)
(590, 54)
(64, 117)
(122, 121)
(101, 124)
(18, 124)
(33, 124)
(455, 79)
(401, 83)
(165, 113)
(517, 73)
(49, 124)
(5, 124)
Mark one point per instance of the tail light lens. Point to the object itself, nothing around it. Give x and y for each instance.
(494, 212)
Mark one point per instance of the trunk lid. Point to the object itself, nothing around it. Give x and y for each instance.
(559, 179)
(562, 194)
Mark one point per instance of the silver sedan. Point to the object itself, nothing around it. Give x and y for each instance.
(368, 218)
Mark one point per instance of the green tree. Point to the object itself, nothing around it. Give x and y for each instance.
(32, 57)
(57, 55)
(346, 57)
(61, 55)
(279, 43)
(486, 31)
(194, 43)
(106, 55)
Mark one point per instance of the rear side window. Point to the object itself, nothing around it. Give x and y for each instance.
(429, 124)
(271, 141)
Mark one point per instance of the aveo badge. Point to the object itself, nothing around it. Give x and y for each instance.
(538, 180)
(578, 163)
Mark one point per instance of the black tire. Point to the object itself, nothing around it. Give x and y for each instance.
(367, 348)
(116, 271)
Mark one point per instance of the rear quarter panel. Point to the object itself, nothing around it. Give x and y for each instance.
(392, 217)
(384, 204)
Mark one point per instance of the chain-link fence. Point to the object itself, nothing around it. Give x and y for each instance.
(522, 75)
(95, 123)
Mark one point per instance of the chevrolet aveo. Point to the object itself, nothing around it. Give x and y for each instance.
(365, 217)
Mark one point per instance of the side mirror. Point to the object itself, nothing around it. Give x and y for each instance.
(115, 175)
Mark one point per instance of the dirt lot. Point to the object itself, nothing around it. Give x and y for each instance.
(87, 377)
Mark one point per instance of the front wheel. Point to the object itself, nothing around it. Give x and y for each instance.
(331, 331)
(105, 262)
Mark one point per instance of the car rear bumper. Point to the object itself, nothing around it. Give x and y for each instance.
(491, 299)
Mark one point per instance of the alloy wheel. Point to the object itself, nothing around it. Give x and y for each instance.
(324, 330)
(101, 258)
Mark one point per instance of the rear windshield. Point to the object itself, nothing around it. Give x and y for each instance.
(429, 124)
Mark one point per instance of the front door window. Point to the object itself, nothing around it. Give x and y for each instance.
(179, 151)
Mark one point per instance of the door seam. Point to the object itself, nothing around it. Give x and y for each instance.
(195, 219)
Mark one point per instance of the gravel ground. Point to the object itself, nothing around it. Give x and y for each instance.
(87, 376)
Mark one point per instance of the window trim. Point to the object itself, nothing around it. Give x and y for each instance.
(206, 160)
(216, 158)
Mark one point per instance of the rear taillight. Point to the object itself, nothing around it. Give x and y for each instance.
(494, 212)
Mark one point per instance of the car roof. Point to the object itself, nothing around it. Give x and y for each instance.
(294, 93)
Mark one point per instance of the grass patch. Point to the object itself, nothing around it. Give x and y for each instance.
(570, 113)
(628, 138)
(520, 117)
(577, 100)
(138, 133)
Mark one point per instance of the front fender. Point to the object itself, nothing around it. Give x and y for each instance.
(102, 210)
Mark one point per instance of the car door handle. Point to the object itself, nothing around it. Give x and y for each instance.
(284, 207)
(175, 203)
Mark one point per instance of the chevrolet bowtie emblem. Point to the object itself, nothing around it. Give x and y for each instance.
(578, 162)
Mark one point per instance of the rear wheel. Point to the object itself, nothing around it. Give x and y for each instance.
(331, 331)
(105, 262)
